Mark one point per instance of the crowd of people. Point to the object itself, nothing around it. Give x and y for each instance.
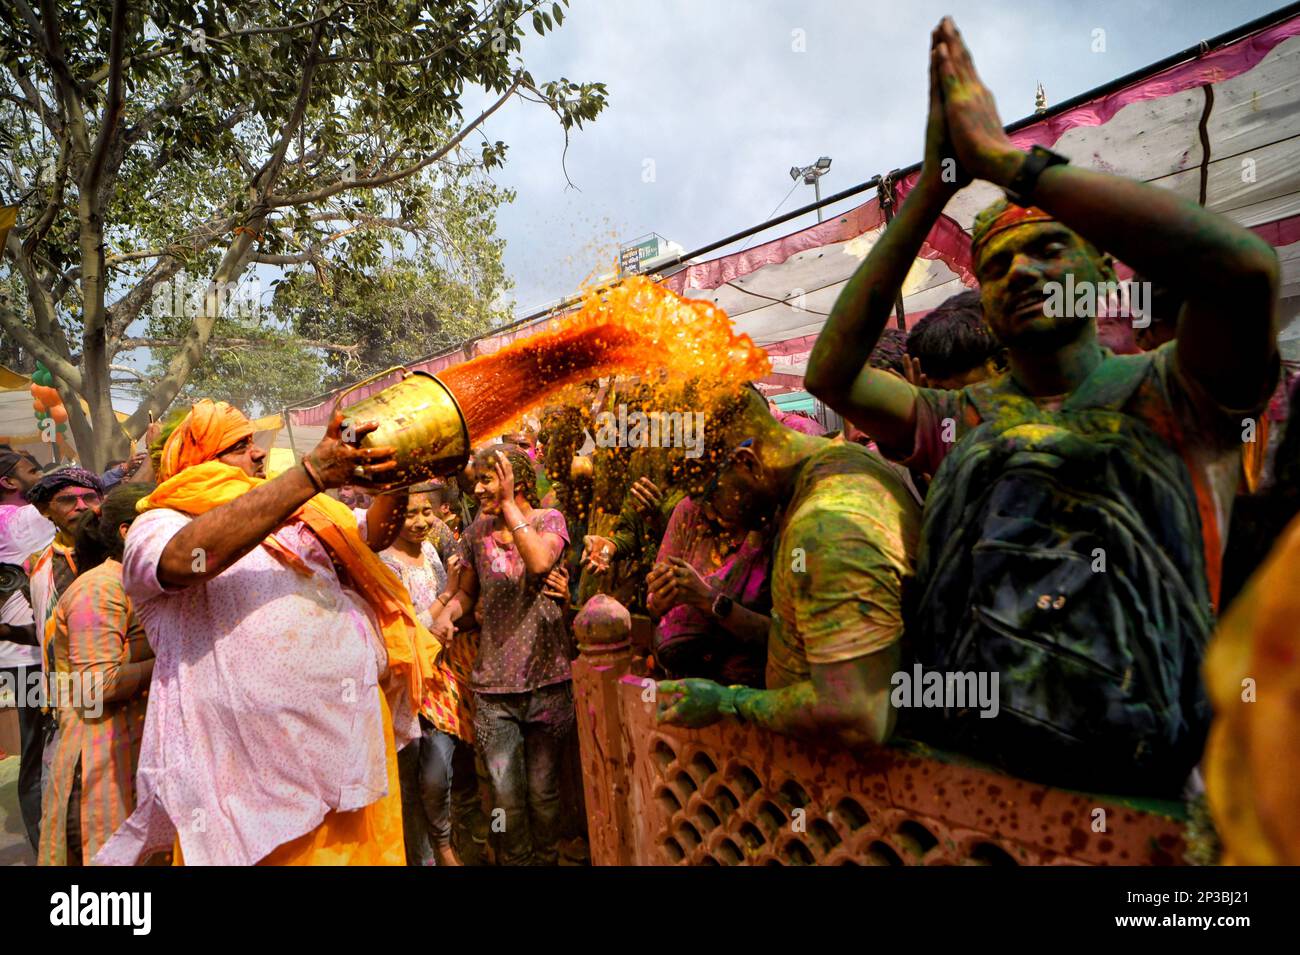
(293, 669)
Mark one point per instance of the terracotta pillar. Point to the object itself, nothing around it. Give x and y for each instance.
(603, 628)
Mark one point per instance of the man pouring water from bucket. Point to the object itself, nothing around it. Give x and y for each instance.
(289, 662)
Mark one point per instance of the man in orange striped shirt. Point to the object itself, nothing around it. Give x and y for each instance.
(102, 666)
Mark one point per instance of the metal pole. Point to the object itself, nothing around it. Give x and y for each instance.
(817, 190)
(885, 193)
(288, 424)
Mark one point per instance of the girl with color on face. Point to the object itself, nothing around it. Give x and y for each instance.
(437, 769)
(523, 711)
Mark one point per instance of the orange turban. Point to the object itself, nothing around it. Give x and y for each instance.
(209, 428)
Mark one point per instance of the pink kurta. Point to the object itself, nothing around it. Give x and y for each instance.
(98, 640)
(264, 712)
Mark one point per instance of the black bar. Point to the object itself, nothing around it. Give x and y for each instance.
(1012, 905)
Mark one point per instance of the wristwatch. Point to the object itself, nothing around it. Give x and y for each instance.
(722, 606)
(1022, 186)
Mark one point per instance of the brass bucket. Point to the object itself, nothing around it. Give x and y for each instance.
(419, 417)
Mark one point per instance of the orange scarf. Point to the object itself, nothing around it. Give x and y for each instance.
(1252, 758)
(412, 649)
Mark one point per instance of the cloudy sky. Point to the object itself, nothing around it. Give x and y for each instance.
(713, 101)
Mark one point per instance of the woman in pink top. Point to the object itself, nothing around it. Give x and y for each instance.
(523, 707)
(710, 593)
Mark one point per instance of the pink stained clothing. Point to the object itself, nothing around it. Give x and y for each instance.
(263, 712)
(523, 640)
(24, 533)
(741, 575)
(802, 423)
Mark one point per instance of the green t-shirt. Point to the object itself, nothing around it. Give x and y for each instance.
(846, 542)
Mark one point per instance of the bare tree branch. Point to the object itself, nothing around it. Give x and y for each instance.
(151, 342)
(113, 107)
(46, 31)
(362, 218)
(268, 258)
(127, 370)
(46, 219)
(47, 113)
(126, 309)
(112, 260)
(270, 170)
(33, 343)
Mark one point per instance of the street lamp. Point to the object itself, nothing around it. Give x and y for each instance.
(811, 175)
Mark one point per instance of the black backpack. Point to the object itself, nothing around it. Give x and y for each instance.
(1062, 550)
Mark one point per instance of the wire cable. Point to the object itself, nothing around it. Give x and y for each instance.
(770, 214)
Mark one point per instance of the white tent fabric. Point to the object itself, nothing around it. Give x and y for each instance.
(1253, 177)
(18, 424)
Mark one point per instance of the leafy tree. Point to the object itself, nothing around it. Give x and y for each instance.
(164, 142)
(323, 325)
(399, 315)
(11, 353)
(249, 362)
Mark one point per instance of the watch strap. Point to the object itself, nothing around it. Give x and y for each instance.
(721, 606)
(1022, 186)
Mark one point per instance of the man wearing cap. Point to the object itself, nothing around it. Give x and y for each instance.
(61, 496)
(287, 656)
(24, 534)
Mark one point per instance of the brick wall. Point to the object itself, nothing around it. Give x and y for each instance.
(733, 794)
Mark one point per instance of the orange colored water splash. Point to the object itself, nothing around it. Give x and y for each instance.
(634, 328)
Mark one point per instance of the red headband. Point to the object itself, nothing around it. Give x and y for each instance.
(1010, 217)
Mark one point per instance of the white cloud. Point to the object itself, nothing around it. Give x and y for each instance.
(712, 92)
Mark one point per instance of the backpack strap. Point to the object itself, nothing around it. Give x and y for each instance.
(995, 397)
(1111, 383)
(1109, 386)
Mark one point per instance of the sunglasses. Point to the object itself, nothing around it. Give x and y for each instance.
(64, 497)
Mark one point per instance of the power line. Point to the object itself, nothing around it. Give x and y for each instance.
(770, 214)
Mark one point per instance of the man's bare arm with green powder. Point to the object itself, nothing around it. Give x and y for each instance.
(845, 704)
